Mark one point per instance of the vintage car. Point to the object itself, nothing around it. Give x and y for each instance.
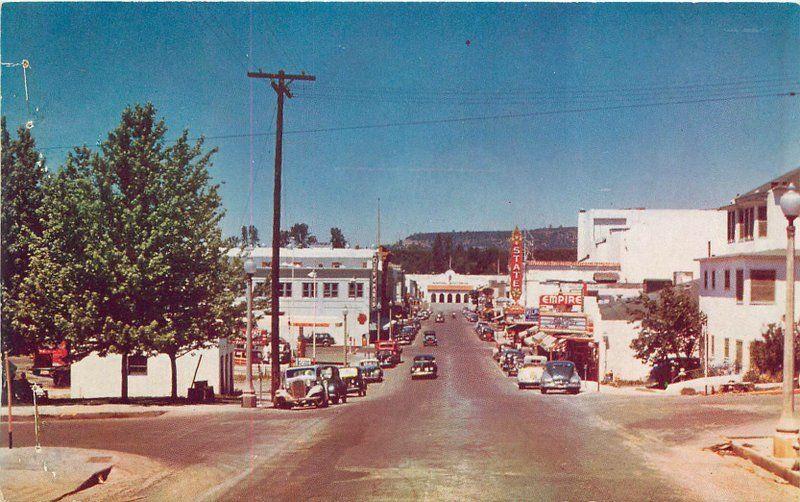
(371, 370)
(530, 374)
(302, 386)
(424, 366)
(429, 339)
(386, 358)
(322, 339)
(439, 317)
(391, 346)
(353, 377)
(560, 375)
(407, 335)
(499, 352)
(511, 362)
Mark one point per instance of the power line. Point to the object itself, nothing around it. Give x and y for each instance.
(478, 118)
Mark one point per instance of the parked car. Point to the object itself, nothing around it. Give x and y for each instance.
(284, 349)
(530, 374)
(511, 362)
(560, 375)
(429, 339)
(323, 339)
(669, 371)
(353, 377)
(302, 386)
(424, 366)
(439, 317)
(371, 370)
(337, 389)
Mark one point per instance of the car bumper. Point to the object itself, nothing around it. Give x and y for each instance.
(565, 387)
(423, 374)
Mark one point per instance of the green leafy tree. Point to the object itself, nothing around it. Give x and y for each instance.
(337, 238)
(22, 176)
(130, 260)
(299, 234)
(671, 326)
(766, 356)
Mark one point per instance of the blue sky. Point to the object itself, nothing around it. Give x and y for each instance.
(396, 63)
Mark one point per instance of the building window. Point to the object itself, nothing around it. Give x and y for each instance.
(713, 279)
(713, 344)
(336, 264)
(727, 349)
(737, 363)
(285, 290)
(761, 221)
(355, 290)
(363, 264)
(137, 365)
(705, 279)
(727, 279)
(747, 220)
(762, 286)
(731, 226)
(740, 286)
(330, 290)
(309, 290)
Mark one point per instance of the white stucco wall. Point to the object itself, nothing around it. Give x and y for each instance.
(98, 377)
(619, 357)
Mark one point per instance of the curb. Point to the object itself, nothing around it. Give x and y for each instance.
(767, 463)
(91, 416)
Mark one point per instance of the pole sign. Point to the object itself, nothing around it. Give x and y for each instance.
(373, 301)
(516, 264)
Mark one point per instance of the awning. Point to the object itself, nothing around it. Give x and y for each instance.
(606, 277)
(543, 340)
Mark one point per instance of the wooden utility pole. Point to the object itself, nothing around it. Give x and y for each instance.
(279, 82)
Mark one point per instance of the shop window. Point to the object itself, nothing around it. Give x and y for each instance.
(137, 365)
(762, 286)
(355, 290)
(727, 275)
(309, 290)
(330, 290)
(740, 286)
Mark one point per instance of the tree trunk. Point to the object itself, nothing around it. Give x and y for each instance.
(124, 393)
(173, 368)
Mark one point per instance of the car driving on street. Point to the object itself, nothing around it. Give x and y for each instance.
(302, 386)
(371, 370)
(424, 366)
(323, 339)
(429, 339)
(560, 375)
(439, 317)
(353, 377)
(530, 374)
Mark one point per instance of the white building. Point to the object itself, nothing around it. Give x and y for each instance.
(742, 285)
(317, 284)
(98, 377)
(650, 243)
(452, 287)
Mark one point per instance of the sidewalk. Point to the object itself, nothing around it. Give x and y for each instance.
(98, 411)
(68, 473)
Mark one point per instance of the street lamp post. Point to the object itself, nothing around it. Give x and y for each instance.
(249, 393)
(313, 275)
(786, 431)
(344, 327)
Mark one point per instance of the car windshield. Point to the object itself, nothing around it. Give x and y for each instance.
(368, 362)
(423, 359)
(299, 372)
(563, 369)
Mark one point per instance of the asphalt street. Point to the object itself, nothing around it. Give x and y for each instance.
(468, 435)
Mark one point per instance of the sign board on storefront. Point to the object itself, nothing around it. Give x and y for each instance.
(516, 264)
(373, 299)
(562, 299)
(563, 323)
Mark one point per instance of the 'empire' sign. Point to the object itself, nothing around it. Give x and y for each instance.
(561, 299)
(516, 264)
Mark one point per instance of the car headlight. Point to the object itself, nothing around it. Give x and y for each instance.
(547, 378)
(575, 379)
(331, 388)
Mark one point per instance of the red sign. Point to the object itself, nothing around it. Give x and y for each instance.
(362, 318)
(561, 300)
(516, 264)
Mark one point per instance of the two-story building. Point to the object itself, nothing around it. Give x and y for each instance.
(317, 286)
(742, 286)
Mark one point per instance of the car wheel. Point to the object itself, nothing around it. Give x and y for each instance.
(323, 403)
(335, 399)
(280, 403)
(544, 391)
(344, 399)
(362, 392)
(573, 392)
(520, 386)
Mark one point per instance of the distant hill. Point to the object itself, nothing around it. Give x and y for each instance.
(551, 238)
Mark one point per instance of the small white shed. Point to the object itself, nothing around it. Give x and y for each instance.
(98, 377)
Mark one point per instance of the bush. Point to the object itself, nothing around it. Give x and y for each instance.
(766, 356)
(688, 391)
